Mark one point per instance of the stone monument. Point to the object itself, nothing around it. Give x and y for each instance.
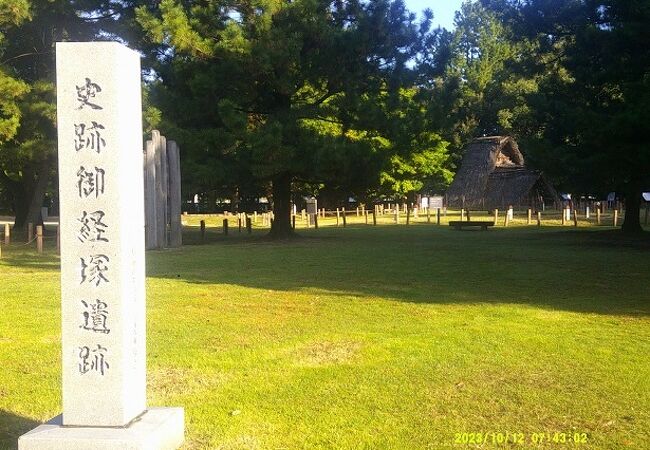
(162, 193)
(99, 117)
(312, 208)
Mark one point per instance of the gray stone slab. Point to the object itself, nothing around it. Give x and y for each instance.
(99, 115)
(174, 174)
(151, 223)
(157, 428)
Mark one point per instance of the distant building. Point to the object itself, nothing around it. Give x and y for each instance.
(493, 175)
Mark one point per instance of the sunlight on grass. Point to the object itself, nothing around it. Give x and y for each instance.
(368, 337)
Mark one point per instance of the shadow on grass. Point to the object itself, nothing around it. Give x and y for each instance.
(12, 427)
(584, 271)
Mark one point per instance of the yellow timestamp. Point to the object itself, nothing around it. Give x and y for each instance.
(517, 438)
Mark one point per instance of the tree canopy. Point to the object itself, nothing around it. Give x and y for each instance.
(340, 98)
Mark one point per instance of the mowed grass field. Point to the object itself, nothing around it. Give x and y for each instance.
(369, 337)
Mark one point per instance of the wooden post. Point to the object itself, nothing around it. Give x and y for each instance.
(563, 216)
(530, 216)
(587, 213)
(539, 218)
(496, 215)
(308, 220)
(239, 223)
(365, 214)
(345, 221)
(8, 230)
(462, 214)
(316, 221)
(374, 218)
(575, 217)
(615, 217)
(506, 221)
(249, 225)
(437, 216)
(39, 239)
(598, 216)
(225, 227)
(255, 216)
(30, 232)
(408, 215)
(203, 231)
(357, 211)
(338, 215)
(428, 215)
(293, 221)
(397, 215)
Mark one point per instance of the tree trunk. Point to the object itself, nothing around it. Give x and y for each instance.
(632, 221)
(27, 195)
(281, 228)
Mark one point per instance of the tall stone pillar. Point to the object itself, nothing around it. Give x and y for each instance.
(99, 116)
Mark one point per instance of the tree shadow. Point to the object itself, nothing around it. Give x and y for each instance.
(582, 271)
(13, 426)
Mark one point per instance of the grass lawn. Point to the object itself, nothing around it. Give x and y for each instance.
(369, 337)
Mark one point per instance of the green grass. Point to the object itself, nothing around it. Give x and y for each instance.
(368, 337)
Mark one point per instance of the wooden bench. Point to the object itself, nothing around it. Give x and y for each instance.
(460, 224)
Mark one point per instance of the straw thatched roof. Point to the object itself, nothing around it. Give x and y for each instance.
(493, 175)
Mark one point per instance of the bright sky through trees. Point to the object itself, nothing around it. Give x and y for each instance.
(443, 10)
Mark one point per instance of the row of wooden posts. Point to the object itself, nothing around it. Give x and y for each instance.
(37, 237)
(245, 221)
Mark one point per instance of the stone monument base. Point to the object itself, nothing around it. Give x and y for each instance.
(156, 429)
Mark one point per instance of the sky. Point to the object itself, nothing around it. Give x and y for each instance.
(443, 10)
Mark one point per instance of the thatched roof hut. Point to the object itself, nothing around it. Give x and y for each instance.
(492, 175)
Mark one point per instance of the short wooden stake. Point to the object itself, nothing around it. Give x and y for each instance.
(338, 215)
(203, 231)
(587, 213)
(365, 215)
(575, 217)
(30, 232)
(428, 215)
(8, 230)
(598, 216)
(225, 227)
(437, 216)
(308, 220)
(496, 216)
(530, 216)
(374, 218)
(316, 221)
(293, 221)
(616, 217)
(39, 239)
(539, 219)
(239, 224)
(462, 214)
(249, 225)
(506, 221)
(345, 221)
